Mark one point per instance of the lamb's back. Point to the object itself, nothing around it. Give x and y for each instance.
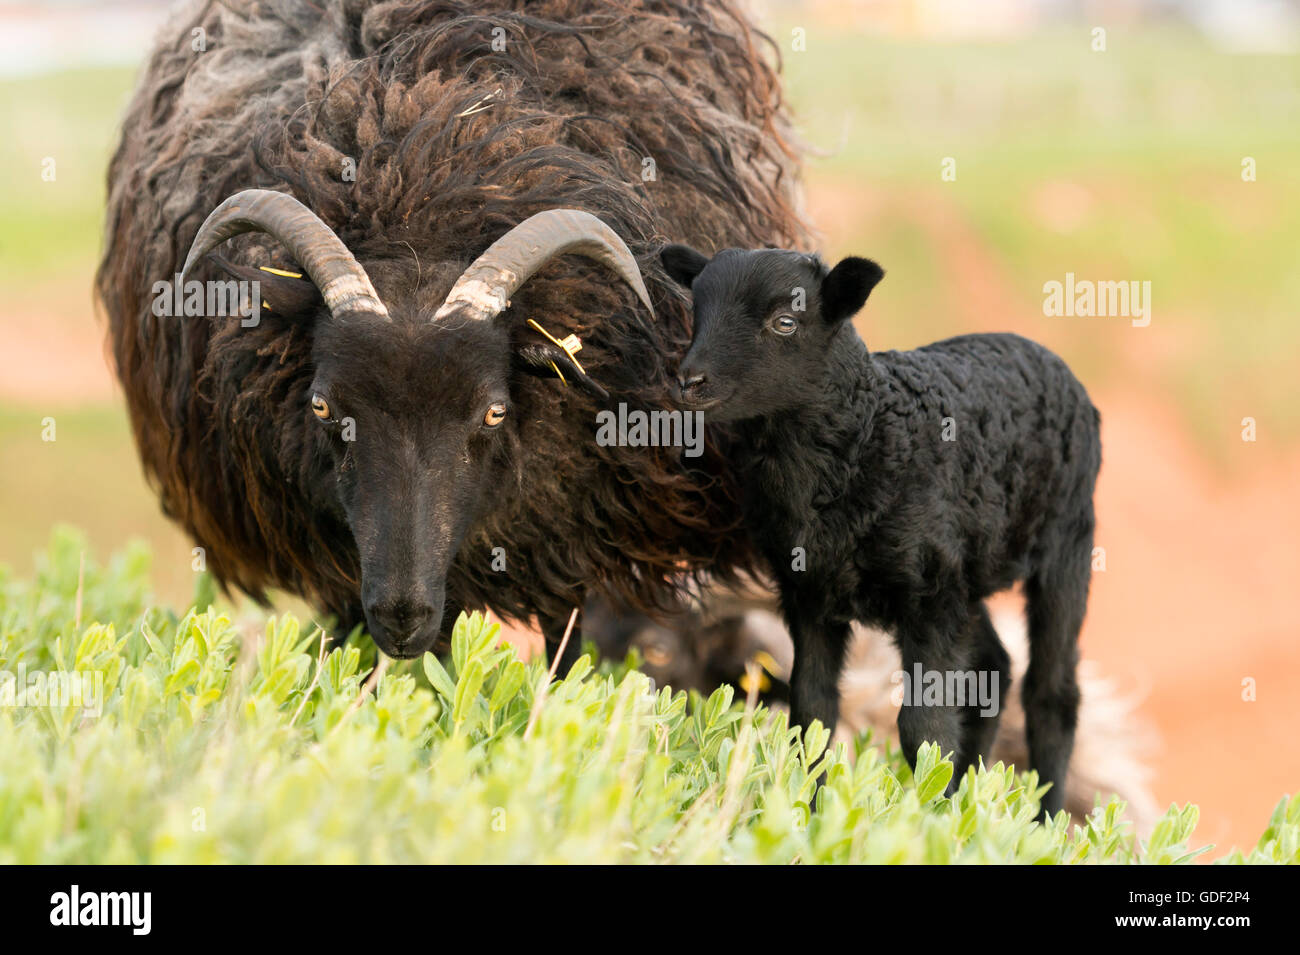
(981, 446)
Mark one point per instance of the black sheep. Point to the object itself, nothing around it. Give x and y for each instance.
(900, 489)
(403, 433)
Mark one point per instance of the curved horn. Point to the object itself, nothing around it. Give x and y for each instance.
(485, 288)
(342, 281)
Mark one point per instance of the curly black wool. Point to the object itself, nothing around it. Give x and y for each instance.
(457, 121)
(900, 489)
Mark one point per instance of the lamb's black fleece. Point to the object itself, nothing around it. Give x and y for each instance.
(890, 512)
(900, 489)
(909, 531)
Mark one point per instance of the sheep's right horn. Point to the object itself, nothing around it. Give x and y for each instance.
(342, 281)
(484, 289)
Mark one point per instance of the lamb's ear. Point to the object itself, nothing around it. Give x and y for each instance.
(682, 263)
(285, 295)
(544, 360)
(846, 287)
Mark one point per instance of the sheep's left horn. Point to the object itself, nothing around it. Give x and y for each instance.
(485, 288)
(342, 281)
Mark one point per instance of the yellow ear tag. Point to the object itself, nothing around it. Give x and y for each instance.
(571, 345)
(764, 684)
(280, 272)
(764, 659)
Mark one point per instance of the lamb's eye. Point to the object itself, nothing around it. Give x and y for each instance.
(320, 407)
(784, 324)
(495, 415)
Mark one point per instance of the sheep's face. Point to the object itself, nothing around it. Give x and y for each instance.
(419, 420)
(410, 395)
(416, 419)
(764, 322)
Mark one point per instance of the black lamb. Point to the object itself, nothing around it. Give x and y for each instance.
(900, 489)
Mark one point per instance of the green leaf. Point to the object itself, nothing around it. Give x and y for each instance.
(934, 782)
(182, 678)
(439, 678)
(471, 681)
(460, 638)
(508, 685)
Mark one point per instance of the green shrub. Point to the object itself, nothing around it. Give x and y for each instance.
(216, 745)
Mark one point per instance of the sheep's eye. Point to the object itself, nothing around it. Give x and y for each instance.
(320, 407)
(785, 324)
(495, 415)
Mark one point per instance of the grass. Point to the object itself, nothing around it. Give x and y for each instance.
(50, 230)
(231, 745)
(88, 476)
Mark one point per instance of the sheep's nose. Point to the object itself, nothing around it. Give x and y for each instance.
(401, 619)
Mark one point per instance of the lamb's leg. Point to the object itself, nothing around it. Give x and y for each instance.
(992, 668)
(819, 647)
(936, 643)
(1055, 598)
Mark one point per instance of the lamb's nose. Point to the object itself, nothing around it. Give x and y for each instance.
(691, 384)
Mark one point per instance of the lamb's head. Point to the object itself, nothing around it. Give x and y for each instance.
(764, 321)
(413, 411)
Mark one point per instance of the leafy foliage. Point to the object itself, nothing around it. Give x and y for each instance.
(218, 745)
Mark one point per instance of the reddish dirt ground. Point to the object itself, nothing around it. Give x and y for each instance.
(1196, 603)
(52, 350)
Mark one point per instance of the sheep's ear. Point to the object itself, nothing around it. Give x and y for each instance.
(846, 287)
(285, 295)
(682, 263)
(544, 360)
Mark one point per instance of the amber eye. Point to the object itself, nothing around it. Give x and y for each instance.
(495, 415)
(320, 408)
(785, 324)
